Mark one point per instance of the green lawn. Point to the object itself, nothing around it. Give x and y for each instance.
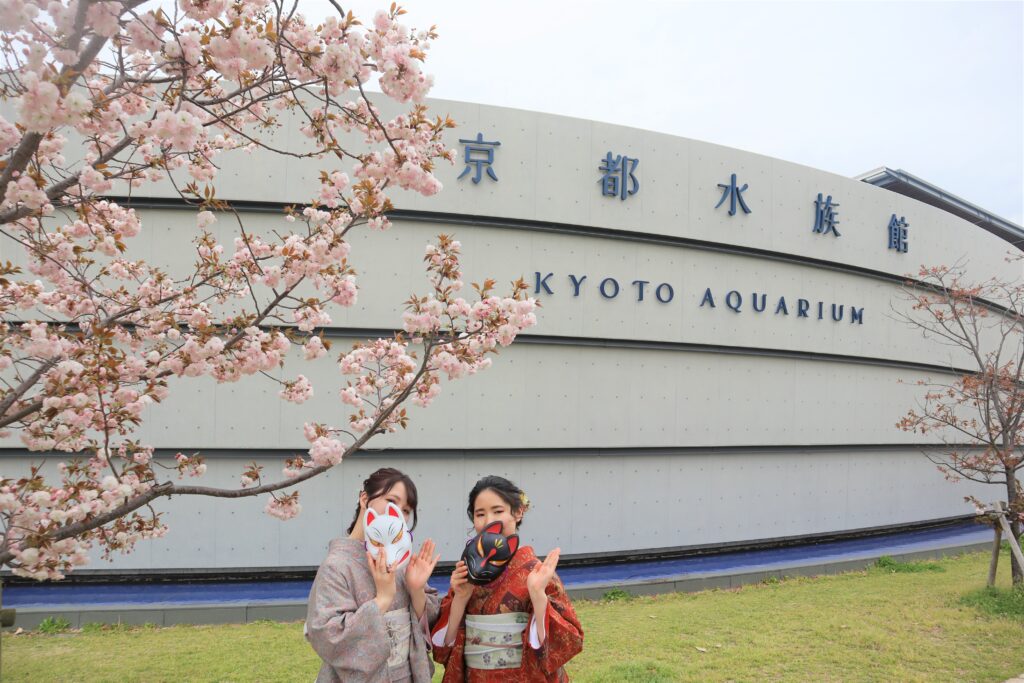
(878, 625)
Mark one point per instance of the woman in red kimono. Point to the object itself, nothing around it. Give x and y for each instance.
(520, 627)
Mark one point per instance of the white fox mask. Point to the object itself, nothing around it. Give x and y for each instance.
(388, 532)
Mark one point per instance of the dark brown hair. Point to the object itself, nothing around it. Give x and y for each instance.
(382, 481)
(506, 490)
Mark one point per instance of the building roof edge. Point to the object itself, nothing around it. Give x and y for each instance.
(907, 184)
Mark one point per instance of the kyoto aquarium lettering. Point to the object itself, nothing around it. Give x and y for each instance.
(732, 299)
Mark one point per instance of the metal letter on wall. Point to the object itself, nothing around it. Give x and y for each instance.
(734, 195)
(619, 179)
(825, 220)
(898, 233)
(479, 153)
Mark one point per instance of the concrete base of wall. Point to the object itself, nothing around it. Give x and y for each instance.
(162, 614)
(692, 583)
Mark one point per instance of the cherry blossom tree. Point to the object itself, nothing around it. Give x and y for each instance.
(978, 412)
(104, 97)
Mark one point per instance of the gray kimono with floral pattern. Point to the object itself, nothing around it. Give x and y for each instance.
(348, 631)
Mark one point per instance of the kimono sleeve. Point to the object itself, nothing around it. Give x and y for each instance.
(443, 654)
(564, 639)
(431, 612)
(350, 638)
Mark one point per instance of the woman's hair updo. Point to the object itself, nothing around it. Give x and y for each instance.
(513, 496)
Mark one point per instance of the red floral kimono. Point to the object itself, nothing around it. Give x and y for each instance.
(508, 593)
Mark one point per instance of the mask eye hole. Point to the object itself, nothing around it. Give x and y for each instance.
(480, 546)
(499, 563)
(398, 537)
(376, 544)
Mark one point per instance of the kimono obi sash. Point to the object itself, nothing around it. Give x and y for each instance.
(398, 624)
(494, 641)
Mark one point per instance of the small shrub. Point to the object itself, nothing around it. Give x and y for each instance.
(616, 594)
(891, 566)
(54, 625)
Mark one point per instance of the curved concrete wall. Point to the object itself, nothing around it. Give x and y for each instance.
(737, 421)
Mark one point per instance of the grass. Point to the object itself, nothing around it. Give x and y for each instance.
(997, 601)
(883, 624)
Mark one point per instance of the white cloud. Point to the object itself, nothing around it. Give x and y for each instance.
(934, 88)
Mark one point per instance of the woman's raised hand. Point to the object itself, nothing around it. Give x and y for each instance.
(421, 566)
(383, 579)
(540, 576)
(462, 591)
(461, 586)
(537, 583)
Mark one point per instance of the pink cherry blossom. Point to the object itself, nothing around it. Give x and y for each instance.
(284, 507)
(40, 105)
(9, 135)
(298, 391)
(205, 219)
(94, 337)
(325, 451)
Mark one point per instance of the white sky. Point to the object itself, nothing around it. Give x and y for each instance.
(934, 88)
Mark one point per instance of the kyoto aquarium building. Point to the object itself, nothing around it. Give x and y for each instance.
(717, 360)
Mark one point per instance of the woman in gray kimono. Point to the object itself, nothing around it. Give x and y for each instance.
(370, 622)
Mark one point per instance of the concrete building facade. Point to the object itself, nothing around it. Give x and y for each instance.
(719, 358)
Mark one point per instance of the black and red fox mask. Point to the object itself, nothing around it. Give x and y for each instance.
(488, 553)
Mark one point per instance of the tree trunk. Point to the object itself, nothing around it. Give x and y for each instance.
(1015, 526)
